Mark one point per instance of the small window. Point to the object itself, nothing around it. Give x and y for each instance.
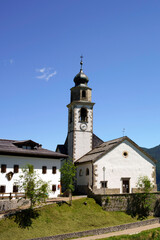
(3, 168)
(44, 169)
(15, 188)
(28, 147)
(87, 171)
(125, 154)
(16, 168)
(103, 184)
(54, 169)
(53, 188)
(80, 172)
(2, 189)
(83, 94)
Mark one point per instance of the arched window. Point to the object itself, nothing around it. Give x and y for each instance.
(80, 172)
(83, 115)
(83, 94)
(87, 171)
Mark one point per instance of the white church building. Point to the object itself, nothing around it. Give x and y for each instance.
(103, 167)
(15, 155)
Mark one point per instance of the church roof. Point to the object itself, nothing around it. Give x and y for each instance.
(106, 147)
(33, 149)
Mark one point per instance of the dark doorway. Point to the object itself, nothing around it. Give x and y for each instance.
(125, 185)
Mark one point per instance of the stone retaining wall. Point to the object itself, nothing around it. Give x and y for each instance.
(100, 230)
(6, 205)
(121, 202)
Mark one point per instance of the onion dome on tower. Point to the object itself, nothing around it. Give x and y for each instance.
(81, 78)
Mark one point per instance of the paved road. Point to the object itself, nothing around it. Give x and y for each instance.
(127, 231)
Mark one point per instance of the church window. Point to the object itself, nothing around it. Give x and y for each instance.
(80, 172)
(83, 94)
(83, 115)
(2, 189)
(44, 169)
(3, 168)
(87, 171)
(103, 184)
(15, 188)
(16, 169)
(53, 188)
(54, 170)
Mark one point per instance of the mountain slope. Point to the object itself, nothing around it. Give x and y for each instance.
(155, 153)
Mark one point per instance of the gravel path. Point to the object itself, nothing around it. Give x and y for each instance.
(128, 232)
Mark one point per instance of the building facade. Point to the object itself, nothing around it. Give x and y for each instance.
(15, 155)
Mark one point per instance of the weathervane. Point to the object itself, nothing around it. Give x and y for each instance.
(123, 131)
(81, 61)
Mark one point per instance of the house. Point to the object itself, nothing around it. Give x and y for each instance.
(104, 167)
(15, 155)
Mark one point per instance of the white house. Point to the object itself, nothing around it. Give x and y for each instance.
(105, 167)
(15, 155)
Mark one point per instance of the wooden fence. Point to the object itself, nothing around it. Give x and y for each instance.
(12, 195)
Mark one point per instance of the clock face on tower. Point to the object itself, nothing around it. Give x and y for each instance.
(83, 126)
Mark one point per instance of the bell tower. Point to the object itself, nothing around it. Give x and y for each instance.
(80, 117)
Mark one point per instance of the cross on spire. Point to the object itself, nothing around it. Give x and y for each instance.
(81, 62)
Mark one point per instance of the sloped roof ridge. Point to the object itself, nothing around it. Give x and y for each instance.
(109, 147)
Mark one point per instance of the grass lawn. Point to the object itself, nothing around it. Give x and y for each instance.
(54, 219)
(153, 234)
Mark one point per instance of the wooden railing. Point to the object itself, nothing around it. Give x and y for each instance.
(12, 195)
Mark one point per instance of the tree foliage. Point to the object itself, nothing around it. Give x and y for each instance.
(35, 189)
(68, 174)
(140, 204)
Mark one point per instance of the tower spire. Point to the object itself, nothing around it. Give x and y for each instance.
(81, 62)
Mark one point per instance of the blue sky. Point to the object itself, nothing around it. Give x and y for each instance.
(40, 46)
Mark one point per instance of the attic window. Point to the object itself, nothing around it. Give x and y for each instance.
(125, 154)
(26, 147)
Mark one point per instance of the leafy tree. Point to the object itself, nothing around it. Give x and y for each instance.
(141, 202)
(68, 173)
(144, 184)
(35, 189)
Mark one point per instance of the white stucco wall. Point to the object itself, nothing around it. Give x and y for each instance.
(117, 166)
(84, 180)
(10, 161)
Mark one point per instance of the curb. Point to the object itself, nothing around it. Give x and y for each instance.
(100, 230)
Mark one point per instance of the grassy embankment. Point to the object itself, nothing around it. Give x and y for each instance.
(54, 219)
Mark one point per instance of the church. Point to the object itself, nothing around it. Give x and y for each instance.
(111, 167)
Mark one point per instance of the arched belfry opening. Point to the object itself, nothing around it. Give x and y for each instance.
(83, 94)
(83, 115)
(70, 115)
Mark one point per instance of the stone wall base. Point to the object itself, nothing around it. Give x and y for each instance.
(6, 205)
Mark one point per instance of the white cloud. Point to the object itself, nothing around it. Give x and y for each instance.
(47, 73)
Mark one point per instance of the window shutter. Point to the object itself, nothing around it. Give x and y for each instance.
(54, 170)
(44, 169)
(53, 188)
(15, 188)
(2, 189)
(16, 168)
(3, 168)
